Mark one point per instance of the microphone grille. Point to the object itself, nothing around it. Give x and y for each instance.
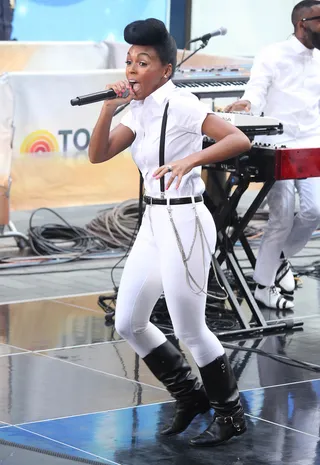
(223, 30)
(126, 93)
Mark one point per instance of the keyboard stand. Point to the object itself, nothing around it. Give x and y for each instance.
(225, 214)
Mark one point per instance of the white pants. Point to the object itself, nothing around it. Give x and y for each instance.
(286, 232)
(154, 266)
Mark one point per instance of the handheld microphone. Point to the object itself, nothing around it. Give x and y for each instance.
(219, 32)
(108, 94)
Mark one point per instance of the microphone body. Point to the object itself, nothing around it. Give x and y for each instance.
(108, 94)
(219, 32)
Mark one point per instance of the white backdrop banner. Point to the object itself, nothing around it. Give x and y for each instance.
(44, 120)
(50, 165)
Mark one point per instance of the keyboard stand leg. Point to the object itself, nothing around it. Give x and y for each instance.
(248, 250)
(241, 281)
(226, 253)
(243, 223)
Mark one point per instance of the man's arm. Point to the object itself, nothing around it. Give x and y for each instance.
(256, 92)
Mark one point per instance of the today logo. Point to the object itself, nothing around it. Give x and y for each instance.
(44, 141)
(39, 141)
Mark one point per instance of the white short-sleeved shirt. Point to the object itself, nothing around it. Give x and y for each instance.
(285, 84)
(183, 136)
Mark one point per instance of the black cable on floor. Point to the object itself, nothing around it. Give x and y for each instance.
(54, 239)
(278, 358)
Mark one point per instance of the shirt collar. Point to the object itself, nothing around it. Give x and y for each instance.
(158, 96)
(299, 48)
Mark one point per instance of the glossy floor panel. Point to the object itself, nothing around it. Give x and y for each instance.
(89, 302)
(39, 441)
(255, 370)
(295, 406)
(116, 358)
(75, 321)
(251, 370)
(301, 345)
(131, 437)
(59, 360)
(49, 324)
(36, 387)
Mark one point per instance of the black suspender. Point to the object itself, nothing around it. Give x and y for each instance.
(162, 145)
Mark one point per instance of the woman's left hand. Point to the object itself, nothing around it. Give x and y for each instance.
(177, 169)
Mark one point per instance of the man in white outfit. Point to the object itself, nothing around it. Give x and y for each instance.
(285, 84)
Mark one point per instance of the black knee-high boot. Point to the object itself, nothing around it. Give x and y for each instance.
(170, 367)
(222, 390)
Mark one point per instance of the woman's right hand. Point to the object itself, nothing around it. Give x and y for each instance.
(120, 87)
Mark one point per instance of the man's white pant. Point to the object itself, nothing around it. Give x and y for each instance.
(154, 266)
(286, 232)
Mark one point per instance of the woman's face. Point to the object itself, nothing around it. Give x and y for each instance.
(144, 71)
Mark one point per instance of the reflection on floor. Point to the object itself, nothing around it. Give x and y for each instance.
(70, 386)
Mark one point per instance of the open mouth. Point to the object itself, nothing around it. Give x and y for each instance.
(135, 86)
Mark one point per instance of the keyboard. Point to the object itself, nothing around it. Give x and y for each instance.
(214, 82)
(244, 120)
(253, 125)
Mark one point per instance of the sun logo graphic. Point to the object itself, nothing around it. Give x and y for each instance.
(39, 141)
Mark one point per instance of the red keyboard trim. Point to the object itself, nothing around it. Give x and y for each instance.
(295, 163)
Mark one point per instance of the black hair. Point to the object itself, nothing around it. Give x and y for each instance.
(154, 33)
(304, 5)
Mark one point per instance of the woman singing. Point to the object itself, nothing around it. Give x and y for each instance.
(173, 249)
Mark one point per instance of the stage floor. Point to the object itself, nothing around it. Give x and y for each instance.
(70, 386)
